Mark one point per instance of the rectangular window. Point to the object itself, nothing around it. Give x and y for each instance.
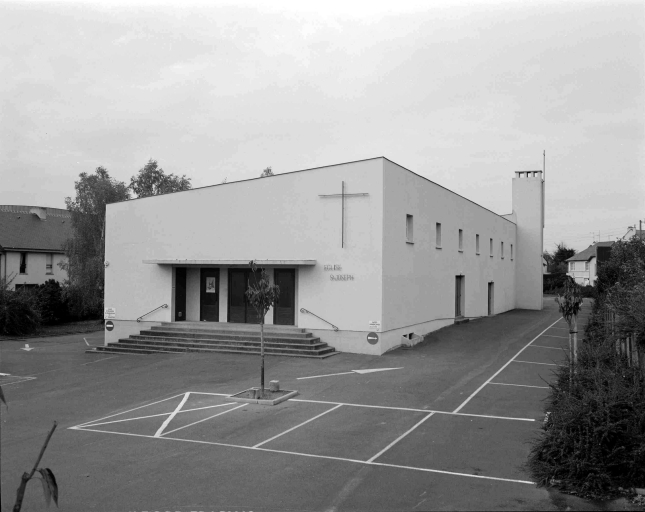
(49, 259)
(586, 265)
(477, 244)
(511, 252)
(502, 249)
(461, 240)
(409, 229)
(572, 266)
(23, 262)
(438, 235)
(491, 248)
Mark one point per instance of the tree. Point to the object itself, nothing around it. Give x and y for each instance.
(85, 251)
(267, 172)
(153, 181)
(262, 295)
(559, 258)
(569, 304)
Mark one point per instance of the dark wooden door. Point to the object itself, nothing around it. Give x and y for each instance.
(180, 294)
(239, 309)
(284, 312)
(209, 295)
(491, 295)
(458, 280)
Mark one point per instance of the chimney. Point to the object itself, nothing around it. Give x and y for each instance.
(40, 212)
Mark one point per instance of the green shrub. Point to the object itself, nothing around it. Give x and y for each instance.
(19, 310)
(589, 292)
(594, 439)
(53, 308)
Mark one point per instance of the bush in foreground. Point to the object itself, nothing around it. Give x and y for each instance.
(19, 310)
(594, 438)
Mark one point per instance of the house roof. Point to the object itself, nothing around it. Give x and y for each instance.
(34, 228)
(589, 252)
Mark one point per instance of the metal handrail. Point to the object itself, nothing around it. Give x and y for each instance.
(303, 310)
(155, 309)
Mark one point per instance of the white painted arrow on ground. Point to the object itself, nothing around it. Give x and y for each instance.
(372, 370)
(27, 347)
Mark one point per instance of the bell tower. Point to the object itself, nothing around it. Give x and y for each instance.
(528, 207)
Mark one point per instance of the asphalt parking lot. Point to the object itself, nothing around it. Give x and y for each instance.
(446, 428)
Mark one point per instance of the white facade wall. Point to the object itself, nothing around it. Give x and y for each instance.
(36, 268)
(418, 277)
(279, 218)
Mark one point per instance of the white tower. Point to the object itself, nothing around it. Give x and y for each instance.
(528, 207)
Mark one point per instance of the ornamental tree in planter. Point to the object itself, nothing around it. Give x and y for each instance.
(262, 295)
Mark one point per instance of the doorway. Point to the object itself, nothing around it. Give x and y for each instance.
(239, 309)
(284, 311)
(180, 294)
(459, 296)
(209, 295)
(491, 298)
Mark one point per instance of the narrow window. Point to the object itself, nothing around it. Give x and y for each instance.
(438, 236)
(23, 262)
(511, 252)
(491, 248)
(502, 250)
(49, 259)
(409, 229)
(571, 266)
(461, 240)
(477, 244)
(586, 265)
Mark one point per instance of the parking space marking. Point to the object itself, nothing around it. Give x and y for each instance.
(205, 419)
(297, 426)
(502, 368)
(154, 415)
(399, 438)
(17, 381)
(356, 461)
(553, 336)
(542, 346)
(533, 362)
(129, 410)
(172, 415)
(518, 385)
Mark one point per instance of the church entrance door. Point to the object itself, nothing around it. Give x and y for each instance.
(209, 295)
(239, 309)
(284, 312)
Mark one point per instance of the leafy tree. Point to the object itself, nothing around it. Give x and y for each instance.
(53, 308)
(86, 249)
(153, 181)
(267, 172)
(558, 260)
(19, 310)
(569, 304)
(262, 295)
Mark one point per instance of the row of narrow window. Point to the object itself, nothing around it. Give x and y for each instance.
(49, 260)
(572, 266)
(409, 224)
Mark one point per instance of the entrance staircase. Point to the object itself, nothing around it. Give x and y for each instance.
(181, 337)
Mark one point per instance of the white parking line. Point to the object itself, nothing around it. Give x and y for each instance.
(553, 336)
(502, 368)
(519, 385)
(356, 461)
(533, 362)
(297, 426)
(542, 346)
(399, 438)
(205, 419)
(172, 415)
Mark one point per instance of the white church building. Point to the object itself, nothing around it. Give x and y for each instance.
(356, 248)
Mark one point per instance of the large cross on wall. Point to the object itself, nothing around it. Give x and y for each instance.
(342, 196)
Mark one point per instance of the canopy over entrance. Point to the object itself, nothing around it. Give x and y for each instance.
(259, 263)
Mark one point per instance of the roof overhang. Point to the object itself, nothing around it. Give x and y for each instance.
(259, 263)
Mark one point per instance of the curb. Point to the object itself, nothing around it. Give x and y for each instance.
(276, 401)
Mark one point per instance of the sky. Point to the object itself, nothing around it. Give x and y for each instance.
(462, 93)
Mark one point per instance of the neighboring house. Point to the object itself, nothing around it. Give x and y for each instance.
(31, 240)
(583, 267)
(357, 249)
(633, 231)
(545, 266)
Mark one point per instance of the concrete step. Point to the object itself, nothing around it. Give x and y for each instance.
(114, 348)
(228, 335)
(228, 326)
(243, 344)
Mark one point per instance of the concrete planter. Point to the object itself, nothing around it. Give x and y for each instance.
(278, 396)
